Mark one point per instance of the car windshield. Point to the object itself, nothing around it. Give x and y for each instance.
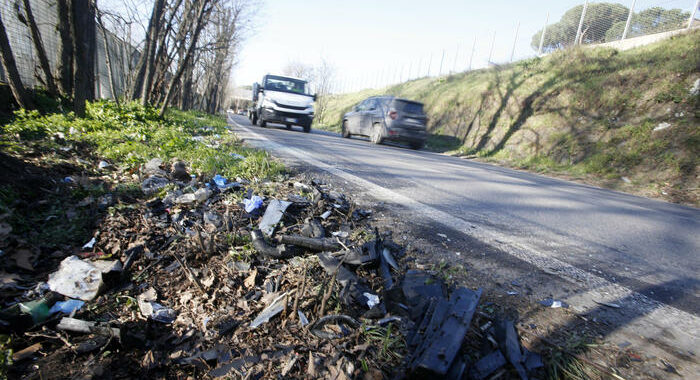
(409, 107)
(295, 86)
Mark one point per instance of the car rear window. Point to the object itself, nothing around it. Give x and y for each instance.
(409, 107)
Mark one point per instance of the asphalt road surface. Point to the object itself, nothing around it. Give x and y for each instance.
(647, 246)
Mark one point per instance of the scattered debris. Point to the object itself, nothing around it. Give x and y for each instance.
(275, 307)
(153, 310)
(76, 278)
(253, 203)
(662, 126)
(554, 304)
(66, 307)
(273, 214)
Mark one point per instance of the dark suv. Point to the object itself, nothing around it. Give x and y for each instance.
(387, 118)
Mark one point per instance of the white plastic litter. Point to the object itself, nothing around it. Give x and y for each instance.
(372, 300)
(253, 203)
(326, 214)
(273, 214)
(273, 309)
(76, 278)
(153, 310)
(90, 244)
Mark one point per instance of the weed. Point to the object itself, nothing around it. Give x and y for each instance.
(5, 355)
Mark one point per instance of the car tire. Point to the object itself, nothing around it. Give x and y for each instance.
(344, 129)
(262, 123)
(307, 128)
(417, 145)
(253, 119)
(376, 134)
(289, 127)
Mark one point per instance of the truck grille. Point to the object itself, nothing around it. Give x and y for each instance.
(299, 108)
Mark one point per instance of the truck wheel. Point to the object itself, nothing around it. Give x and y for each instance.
(376, 136)
(253, 119)
(307, 128)
(344, 129)
(262, 123)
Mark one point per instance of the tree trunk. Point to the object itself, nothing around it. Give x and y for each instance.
(108, 61)
(202, 11)
(40, 51)
(64, 71)
(10, 67)
(153, 32)
(84, 37)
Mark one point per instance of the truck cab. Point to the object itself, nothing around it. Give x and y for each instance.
(283, 100)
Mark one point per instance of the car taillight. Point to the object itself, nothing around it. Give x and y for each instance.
(393, 114)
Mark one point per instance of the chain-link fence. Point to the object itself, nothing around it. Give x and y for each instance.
(592, 23)
(123, 56)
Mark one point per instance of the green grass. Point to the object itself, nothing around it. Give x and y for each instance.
(581, 112)
(127, 136)
(131, 135)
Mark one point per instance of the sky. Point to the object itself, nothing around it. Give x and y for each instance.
(369, 42)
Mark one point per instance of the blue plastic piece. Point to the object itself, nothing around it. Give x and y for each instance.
(253, 203)
(66, 307)
(219, 180)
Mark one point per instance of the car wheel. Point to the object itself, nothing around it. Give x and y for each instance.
(307, 128)
(262, 123)
(289, 127)
(344, 129)
(417, 145)
(376, 136)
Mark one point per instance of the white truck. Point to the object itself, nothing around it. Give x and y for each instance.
(282, 100)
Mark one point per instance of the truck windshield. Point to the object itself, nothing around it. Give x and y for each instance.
(295, 86)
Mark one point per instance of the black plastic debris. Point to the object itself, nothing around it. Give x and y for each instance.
(487, 365)
(442, 338)
(509, 344)
(352, 289)
(266, 249)
(314, 244)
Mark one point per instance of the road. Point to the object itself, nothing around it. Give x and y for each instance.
(634, 244)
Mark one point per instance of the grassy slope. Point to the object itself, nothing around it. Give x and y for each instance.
(584, 114)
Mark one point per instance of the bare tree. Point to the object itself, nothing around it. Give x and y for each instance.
(10, 67)
(108, 58)
(299, 70)
(64, 71)
(323, 82)
(204, 8)
(84, 48)
(39, 47)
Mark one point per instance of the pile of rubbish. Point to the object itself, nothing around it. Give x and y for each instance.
(214, 277)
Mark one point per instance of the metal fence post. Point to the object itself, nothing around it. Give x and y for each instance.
(454, 66)
(430, 61)
(441, 61)
(544, 30)
(493, 42)
(512, 52)
(580, 23)
(692, 13)
(471, 57)
(629, 21)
